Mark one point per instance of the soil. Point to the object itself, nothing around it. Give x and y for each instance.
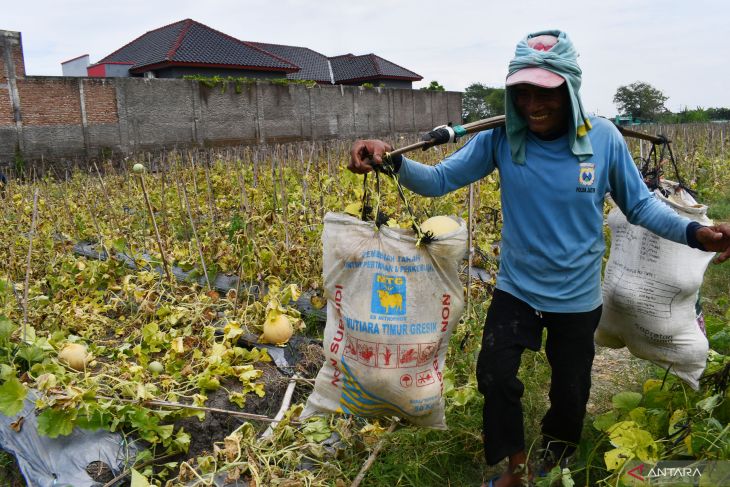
(614, 370)
(310, 360)
(216, 426)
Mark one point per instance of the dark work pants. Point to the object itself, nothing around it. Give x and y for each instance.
(512, 326)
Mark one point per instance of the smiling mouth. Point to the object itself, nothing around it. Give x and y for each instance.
(538, 118)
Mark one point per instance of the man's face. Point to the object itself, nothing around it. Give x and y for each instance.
(544, 109)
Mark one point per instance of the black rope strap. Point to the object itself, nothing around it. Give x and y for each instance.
(380, 217)
(651, 169)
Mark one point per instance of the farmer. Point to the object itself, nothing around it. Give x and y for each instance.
(555, 165)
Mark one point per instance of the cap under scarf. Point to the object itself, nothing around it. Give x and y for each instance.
(561, 59)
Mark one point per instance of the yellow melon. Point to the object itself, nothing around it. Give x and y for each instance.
(278, 330)
(75, 356)
(439, 225)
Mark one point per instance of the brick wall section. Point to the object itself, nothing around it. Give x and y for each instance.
(101, 102)
(49, 101)
(3, 75)
(6, 108)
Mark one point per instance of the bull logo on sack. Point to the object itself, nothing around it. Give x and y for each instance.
(389, 295)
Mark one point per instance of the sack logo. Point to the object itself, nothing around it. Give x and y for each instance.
(587, 174)
(389, 295)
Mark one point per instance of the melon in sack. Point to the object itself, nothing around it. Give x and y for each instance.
(391, 308)
(650, 288)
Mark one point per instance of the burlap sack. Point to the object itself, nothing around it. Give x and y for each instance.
(391, 307)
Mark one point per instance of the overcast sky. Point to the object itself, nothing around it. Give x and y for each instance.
(680, 47)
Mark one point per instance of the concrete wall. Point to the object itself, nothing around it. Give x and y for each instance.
(82, 116)
(395, 83)
(56, 117)
(383, 83)
(180, 71)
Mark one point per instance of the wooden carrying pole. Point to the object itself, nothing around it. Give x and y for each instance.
(654, 139)
(498, 121)
(473, 127)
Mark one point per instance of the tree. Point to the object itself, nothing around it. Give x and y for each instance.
(434, 86)
(481, 101)
(719, 113)
(698, 115)
(640, 100)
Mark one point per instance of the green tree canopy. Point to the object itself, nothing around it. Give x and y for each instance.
(434, 86)
(481, 101)
(718, 113)
(698, 115)
(640, 100)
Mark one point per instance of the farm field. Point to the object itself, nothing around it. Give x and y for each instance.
(171, 309)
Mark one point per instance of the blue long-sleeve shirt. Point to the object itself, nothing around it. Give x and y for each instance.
(552, 207)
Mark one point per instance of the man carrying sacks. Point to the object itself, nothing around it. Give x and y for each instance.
(555, 165)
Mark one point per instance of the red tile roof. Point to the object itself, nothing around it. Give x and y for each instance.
(350, 68)
(188, 42)
(314, 66)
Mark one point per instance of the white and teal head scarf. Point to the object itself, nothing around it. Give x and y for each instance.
(559, 58)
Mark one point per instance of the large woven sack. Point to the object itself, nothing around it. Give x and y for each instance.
(391, 307)
(650, 289)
